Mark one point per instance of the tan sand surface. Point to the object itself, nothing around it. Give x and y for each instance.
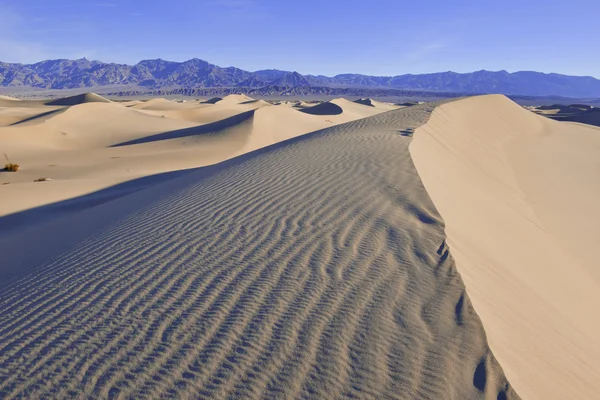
(313, 268)
(82, 148)
(518, 193)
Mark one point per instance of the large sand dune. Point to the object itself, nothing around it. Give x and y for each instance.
(519, 195)
(313, 268)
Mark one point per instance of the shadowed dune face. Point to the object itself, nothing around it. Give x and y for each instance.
(326, 108)
(213, 100)
(212, 128)
(365, 102)
(78, 99)
(581, 113)
(518, 194)
(314, 268)
(20, 115)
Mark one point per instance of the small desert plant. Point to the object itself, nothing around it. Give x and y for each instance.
(11, 167)
(42, 179)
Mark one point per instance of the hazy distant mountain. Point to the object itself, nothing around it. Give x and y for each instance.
(195, 73)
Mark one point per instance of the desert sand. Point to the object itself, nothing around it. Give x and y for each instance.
(518, 193)
(86, 143)
(233, 248)
(294, 265)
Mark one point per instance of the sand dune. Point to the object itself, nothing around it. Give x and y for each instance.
(590, 117)
(213, 100)
(326, 108)
(314, 268)
(341, 106)
(518, 193)
(206, 113)
(78, 99)
(377, 104)
(18, 115)
(6, 101)
(82, 147)
(236, 99)
(101, 125)
(160, 104)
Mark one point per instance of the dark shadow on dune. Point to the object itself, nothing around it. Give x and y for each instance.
(250, 101)
(580, 113)
(193, 131)
(480, 376)
(589, 117)
(39, 215)
(38, 116)
(78, 99)
(407, 104)
(213, 100)
(365, 102)
(326, 108)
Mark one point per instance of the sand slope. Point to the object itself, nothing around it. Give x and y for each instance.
(316, 268)
(94, 145)
(518, 193)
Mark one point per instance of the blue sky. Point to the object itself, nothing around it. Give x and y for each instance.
(378, 37)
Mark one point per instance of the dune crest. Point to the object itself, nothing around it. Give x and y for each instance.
(518, 195)
(78, 99)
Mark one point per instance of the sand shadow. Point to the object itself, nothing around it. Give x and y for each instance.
(409, 132)
(193, 131)
(365, 102)
(78, 99)
(213, 100)
(326, 108)
(39, 116)
(39, 215)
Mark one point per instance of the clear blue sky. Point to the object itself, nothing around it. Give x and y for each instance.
(378, 37)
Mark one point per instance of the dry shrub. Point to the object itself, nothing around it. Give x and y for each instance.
(10, 167)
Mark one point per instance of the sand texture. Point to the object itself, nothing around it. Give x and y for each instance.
(519, 195)
(93, 144)
(315, 267)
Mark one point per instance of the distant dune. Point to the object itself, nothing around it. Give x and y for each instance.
(339, 106)
(581, 113)
(78, 99)
(590, 117)
(326, 108)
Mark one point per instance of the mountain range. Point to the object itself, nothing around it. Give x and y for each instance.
(196, 73)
